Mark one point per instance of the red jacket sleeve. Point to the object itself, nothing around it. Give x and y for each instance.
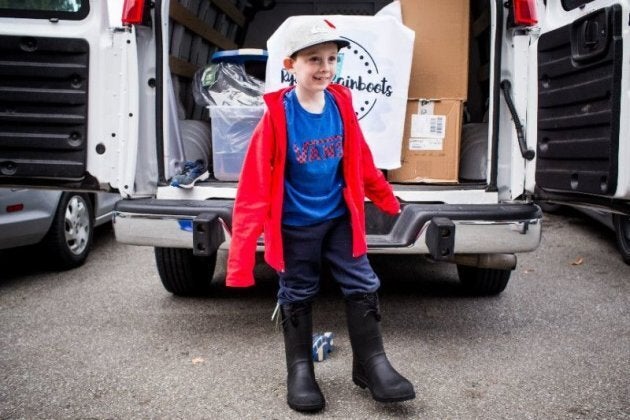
(253, 197)
(376, 186)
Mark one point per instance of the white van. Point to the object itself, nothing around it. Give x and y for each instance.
(97, 95)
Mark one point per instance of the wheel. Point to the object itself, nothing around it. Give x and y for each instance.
(622, 232)
(548, 207)
(69, 239)
(483, 281)
(184, 274)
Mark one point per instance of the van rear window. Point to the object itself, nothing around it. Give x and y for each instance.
(45, 9)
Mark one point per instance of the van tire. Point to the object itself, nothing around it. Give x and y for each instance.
(69, 238)
(184, 274)
(483, 281)
(547, 207)
(622, 233)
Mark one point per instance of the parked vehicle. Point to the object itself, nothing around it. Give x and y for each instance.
(617, 223)
(620, 224)
(99, 96)
(61, 222)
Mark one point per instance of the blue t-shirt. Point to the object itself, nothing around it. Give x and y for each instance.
(313, 182)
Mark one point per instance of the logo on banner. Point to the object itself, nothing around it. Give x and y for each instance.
(358, 71)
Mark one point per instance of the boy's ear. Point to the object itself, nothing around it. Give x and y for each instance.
(288, 63)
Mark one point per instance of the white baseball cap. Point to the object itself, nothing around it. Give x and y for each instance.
(306, 31)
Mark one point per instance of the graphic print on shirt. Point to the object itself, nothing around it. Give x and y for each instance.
(322, 149)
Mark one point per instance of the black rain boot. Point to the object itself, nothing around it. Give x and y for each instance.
(303, 393)
(370, 366)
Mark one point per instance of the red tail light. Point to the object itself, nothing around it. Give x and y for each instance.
(133, 10)
(525, 12)
(12, 208)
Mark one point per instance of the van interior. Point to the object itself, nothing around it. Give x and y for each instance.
(200, 28)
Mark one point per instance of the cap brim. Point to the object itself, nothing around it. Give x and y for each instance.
(341, 43)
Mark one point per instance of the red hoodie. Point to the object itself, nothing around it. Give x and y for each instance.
(258, 204)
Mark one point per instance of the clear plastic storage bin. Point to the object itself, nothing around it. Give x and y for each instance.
(232, 128)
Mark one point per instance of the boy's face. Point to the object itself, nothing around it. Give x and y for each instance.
(314, 67)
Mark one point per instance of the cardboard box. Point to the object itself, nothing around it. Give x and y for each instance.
(439, 68)
(439, 72)
(431, 142)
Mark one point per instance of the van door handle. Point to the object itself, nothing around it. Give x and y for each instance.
(590, 33)
(591, 37)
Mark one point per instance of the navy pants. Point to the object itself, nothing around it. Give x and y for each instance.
(306, 247)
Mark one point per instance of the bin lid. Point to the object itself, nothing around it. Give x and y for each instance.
(239, 56)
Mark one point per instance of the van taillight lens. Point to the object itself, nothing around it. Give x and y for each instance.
(12, 208)
(525, 12)
(133, 10)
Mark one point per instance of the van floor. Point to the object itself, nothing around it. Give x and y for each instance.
(467, 185)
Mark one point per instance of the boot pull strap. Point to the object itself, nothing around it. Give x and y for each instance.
(375, 311)
(288, 316)
(370, 302)
(293, 311)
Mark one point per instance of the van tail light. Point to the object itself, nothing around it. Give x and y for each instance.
(525, 12)
(12, 208)
(133, 11)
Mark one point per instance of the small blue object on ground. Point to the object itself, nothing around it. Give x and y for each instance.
(322, 345)
(192, 172)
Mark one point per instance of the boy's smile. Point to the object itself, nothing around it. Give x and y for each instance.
(313, 67)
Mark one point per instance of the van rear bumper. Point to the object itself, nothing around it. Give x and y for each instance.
(478, 229)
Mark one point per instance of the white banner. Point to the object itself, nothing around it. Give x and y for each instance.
(375, 66)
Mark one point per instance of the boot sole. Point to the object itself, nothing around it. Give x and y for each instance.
(395, 399)
(361, 383)
(307, 408)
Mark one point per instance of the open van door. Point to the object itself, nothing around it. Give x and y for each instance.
(583, 130)
(583, 108)
(68, 95)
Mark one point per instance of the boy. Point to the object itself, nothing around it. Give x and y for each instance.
(304, 181)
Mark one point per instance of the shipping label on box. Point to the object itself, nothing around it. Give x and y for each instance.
(425, 143)
(375, 66)
(432, 126)
(431, 142)
(427, 131)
